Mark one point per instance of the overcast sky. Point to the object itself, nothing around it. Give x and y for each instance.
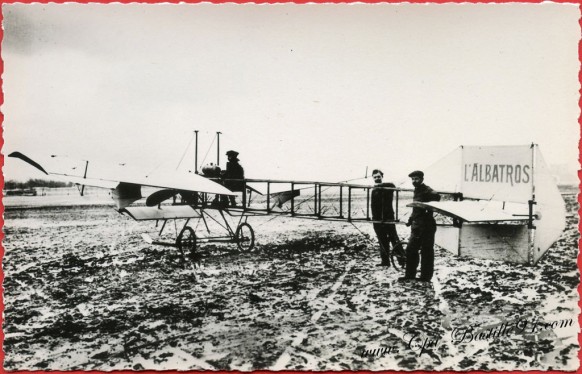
(314, 92)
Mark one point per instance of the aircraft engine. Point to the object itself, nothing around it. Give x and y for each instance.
(211, 171)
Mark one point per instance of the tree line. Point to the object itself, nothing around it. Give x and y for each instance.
(16, 185)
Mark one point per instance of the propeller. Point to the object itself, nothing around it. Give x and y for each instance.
(160, 196)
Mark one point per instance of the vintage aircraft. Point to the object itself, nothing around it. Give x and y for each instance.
(497, 210)
(188, 196)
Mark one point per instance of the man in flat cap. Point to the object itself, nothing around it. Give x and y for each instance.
(234, 170)
(422, 232)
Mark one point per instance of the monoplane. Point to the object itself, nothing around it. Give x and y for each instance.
(502, 201)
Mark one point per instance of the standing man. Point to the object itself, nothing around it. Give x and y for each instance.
(234, 170)
(382, 210)
(422, 232)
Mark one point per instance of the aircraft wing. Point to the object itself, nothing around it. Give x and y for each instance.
(477, 211)
(111, 176)
(164, 212)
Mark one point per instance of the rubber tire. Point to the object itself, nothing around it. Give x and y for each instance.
(239, 239)
(186, 243)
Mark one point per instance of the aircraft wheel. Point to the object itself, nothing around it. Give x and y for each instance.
(398, 255)
(186, 243)
(245, 237)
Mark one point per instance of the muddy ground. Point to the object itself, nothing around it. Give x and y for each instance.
(84, 291)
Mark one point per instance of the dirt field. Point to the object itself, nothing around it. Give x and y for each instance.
(83, 291)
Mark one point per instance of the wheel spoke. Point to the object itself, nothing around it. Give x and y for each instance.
(245, 237)
(186, 243)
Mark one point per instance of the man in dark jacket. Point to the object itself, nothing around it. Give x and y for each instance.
(422, 232)
(382, 210)
(234, 170)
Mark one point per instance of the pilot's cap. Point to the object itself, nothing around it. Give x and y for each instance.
(416, 173)
(232, 153)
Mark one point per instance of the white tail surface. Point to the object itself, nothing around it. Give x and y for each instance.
(499, 175)
(550, 204)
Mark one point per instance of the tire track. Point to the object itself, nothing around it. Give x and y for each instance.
(285, 357)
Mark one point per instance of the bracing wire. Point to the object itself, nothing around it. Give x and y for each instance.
(356, 227)
(155, 168)
(208, 151)
(185, 151)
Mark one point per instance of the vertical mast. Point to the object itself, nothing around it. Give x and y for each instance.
(218, 148)
(531, 203)
(196, 153)
(533, 171)
(463, 171)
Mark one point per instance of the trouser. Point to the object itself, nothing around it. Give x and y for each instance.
(421, 239)
(224, 199)
(386, 234)
(234, 186)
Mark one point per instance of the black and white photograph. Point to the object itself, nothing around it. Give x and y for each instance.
(305, 187)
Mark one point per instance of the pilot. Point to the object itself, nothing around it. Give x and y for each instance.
(422, 232)
(382, 210)
(234, 170)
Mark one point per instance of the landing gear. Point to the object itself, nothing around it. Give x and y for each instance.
(245, 237)
(186, 244)
(187, 241)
